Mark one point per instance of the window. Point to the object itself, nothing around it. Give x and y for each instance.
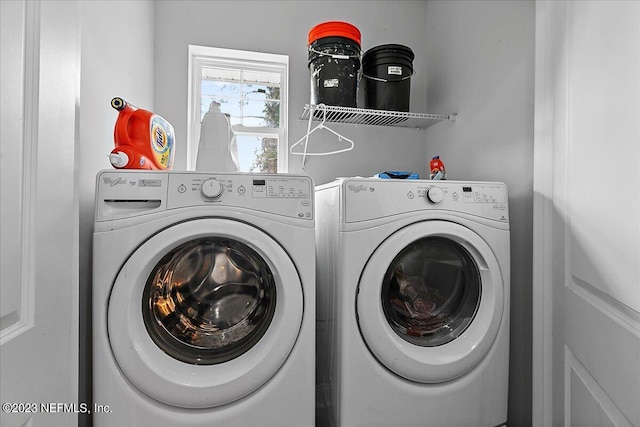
(251, 87)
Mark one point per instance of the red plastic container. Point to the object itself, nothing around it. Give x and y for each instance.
(436, 168)
(143, 140)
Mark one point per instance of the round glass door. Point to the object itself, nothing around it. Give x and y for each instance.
(209, 300)
(204, 312)
(430, 301)
(431, 291)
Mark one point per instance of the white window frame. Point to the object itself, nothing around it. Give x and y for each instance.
(200, 56)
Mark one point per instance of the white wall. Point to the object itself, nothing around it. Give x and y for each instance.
(282, 27)
(480, 63)
(116, 60)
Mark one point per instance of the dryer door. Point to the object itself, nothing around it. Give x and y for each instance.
(430, 301)
(204, 312)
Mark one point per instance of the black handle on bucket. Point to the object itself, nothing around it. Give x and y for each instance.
(387, 81)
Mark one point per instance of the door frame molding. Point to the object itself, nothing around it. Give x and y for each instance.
(543, 208)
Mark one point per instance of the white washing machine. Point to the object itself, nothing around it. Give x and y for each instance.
(413, 303)
(203, 300)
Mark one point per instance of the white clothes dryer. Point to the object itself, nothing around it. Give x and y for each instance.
(203, 299)
(413, 303)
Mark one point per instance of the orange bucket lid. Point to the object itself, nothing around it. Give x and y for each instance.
(334, 29)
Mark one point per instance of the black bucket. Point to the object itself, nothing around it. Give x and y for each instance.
(334, 63)
(387, 70)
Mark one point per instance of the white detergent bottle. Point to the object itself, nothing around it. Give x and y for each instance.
(214, 150)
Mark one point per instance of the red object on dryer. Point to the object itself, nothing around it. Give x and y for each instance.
(436, 168)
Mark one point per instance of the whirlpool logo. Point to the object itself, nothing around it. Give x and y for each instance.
(111, 181)
(358, 188)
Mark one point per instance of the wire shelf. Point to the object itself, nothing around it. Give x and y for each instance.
(360, 116)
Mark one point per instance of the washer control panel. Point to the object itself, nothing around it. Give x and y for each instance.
(279, 194)
(131, 193)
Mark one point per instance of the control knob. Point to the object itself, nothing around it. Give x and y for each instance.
(434, 195)
(211, 188)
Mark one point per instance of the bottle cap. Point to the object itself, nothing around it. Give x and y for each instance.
(119, 159)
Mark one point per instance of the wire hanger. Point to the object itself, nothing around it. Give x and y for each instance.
(322, 125)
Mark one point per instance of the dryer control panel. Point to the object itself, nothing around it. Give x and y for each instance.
(370, 198)
(126, 193)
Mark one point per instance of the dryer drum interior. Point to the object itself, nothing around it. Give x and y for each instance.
(431, 291)
(209, 301)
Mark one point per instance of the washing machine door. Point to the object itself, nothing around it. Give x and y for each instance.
(204, 312)
(430, 301)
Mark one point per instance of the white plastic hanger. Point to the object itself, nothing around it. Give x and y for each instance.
(322, 125)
